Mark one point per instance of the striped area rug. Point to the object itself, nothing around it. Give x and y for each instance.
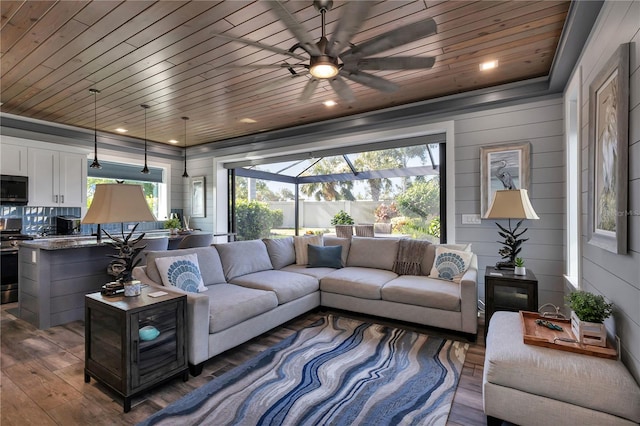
(337, 371)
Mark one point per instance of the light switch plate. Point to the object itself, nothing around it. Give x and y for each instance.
(471, 219)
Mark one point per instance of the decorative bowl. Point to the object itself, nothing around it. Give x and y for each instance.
(148, 332)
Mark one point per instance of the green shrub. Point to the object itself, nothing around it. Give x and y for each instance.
(342, 218)
(254, 219)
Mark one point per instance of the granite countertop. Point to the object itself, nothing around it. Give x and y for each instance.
(60, 242)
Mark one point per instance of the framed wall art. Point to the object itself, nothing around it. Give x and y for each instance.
(608, 161)
(198, 197)
(504, 166)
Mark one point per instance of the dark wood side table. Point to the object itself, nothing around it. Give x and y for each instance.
(118, 357)
(508, 292)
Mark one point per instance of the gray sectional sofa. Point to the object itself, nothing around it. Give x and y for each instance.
(254, 286)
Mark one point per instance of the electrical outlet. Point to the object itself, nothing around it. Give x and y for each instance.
(471, 219)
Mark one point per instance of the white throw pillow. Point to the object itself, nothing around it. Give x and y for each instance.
(450, 264)
(182, 272)
(301, 242)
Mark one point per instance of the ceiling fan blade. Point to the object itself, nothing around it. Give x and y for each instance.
(308, 90)
(305, 39)
(352, 19)
(277, 82)
(261, 46)
(342, 89)
(395, 63)
(392, 39)
(266, 66)
(370, 80)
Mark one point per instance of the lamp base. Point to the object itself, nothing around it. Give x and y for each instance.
(505, 265)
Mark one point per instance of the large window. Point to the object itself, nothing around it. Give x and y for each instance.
(398, 189)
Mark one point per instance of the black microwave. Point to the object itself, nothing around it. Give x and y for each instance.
(14, 190)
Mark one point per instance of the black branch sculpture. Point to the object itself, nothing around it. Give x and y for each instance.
(122, 265)
(511, 245)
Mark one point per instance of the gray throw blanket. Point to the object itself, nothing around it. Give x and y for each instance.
(410, 255)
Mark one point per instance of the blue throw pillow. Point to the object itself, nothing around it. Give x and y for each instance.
(324, 256)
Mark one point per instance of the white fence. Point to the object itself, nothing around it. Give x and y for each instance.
(318, 214)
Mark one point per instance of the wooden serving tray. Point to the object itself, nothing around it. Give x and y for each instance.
(539, 335)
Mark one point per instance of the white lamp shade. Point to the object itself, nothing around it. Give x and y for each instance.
(511, 204)
(114, 202)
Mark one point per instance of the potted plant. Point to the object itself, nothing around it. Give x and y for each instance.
(588, 311)
(519, 267)
(172, 224)
(342, 218)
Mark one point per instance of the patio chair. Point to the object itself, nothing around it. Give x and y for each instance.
(344, 231)
(364, 230)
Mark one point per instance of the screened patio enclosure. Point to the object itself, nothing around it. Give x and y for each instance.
(396, 183)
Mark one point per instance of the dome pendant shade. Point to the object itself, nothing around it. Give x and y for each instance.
(95, 164)
(185, 174)
(145, 169)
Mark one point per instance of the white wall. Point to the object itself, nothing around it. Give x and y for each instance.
(617, 277)
(541, 124)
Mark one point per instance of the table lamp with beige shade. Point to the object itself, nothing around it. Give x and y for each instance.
(511, 204)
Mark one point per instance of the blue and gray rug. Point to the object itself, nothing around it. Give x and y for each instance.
(338, 371)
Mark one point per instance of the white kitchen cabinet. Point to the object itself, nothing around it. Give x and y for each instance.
(57, 178)
(14, 160)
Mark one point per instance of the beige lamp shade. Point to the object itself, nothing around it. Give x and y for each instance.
(511, 204)
(114, 202)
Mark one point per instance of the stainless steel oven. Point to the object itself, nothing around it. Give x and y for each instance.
(10, 237)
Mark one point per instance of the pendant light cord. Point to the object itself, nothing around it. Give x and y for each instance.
(145, 170)
(95, 164)
(185, 174)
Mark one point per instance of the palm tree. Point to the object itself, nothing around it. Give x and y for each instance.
(329, 191)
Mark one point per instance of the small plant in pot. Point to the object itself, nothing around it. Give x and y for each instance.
(172, 224)
(342, 218)
(519, 268)
(588, 311)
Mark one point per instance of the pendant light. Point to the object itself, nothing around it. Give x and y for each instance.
(185, 174)
(145, 170)
(95, 164)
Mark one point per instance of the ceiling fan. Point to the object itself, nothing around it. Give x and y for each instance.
(327, 58)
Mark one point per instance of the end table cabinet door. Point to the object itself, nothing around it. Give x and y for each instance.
(153, 360)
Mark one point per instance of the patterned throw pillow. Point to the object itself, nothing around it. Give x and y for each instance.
(450, 264)
(182, 272)
(301, 242)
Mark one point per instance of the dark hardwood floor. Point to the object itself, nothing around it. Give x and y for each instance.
(42, 378)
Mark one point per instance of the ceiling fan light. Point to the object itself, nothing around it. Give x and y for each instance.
(323, 67)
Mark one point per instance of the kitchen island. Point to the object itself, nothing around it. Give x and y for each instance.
(56, 273)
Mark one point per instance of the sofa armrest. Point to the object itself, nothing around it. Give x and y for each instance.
(197, 317)
(469, 298)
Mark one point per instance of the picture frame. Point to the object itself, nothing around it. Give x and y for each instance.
(608, 154)
(198, 197)
(503, 166)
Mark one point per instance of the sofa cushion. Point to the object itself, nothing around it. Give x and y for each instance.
(312, 272)
(243, 257)
(300, 244)
(379, 253)
(356, 281)
(430, 254)
(423, 291)
(336, 241)
(232, 304)
(324, 257)
(182, 272)
(208, 262)
(281, 251)
(287, 286)
(450, 264)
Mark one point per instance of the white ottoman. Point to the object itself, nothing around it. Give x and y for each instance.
(532, 385)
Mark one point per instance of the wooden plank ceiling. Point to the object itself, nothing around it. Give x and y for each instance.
(167, 54)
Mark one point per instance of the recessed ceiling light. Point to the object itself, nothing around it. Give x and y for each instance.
(489, 65)
(173, 141)
(330, 103)
(248, 120)
(121, 130)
